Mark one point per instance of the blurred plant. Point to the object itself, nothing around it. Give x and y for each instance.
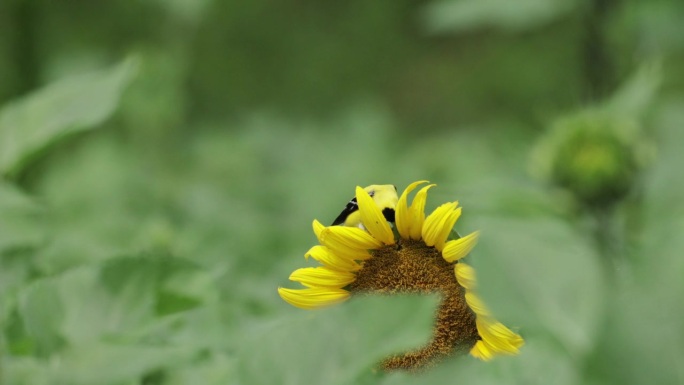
(597, 154)
(594, 156)
(144, 221)
(30, 125)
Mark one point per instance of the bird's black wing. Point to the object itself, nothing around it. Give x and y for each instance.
(388, 213)
(348, 209)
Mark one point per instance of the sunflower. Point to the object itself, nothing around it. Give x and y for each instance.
(418, 259)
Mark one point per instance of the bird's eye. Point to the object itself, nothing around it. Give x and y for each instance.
(371, 193)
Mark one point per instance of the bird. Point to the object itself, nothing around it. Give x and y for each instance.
(385, 197)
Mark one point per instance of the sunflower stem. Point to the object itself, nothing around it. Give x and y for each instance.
(609, 241)
(599, 66)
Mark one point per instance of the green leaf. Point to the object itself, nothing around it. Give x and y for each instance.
(24, 371)
(663, 185)
(105, 363)
(541, 278)
(21, 219)
(95, 364)
(336, 345)
(32, 124)
(637, 93)
(43, 312)
(461, 15)
(540, 363)
(118, 298)
(217, 369)
(647, 309)
(21, 230)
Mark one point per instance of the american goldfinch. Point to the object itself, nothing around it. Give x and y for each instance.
(385, 196)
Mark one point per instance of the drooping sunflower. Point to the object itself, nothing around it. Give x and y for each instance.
(419, 259)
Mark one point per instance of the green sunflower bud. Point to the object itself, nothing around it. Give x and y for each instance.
(594, 155)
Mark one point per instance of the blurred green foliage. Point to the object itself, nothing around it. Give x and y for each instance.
(161, 163)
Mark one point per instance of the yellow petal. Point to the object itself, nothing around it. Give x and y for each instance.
(459, 248)
(372, 218)
(402, 215)
(417, 212)
(331, 260)
(312, 298)
(476, 304)
(317, 229)
(436, 227)
(481, 351)
(352, 255)
(350, 239)
(497, 337)
(353, 248)
(465, 275)
(322, 277)
(448, 225)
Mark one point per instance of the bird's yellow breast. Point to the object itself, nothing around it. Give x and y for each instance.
(384, 196)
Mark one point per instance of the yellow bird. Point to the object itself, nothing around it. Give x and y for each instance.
(385, 197)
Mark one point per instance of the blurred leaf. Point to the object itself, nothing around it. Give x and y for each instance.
(663, 205)
(118, 298)
(207, 327)
(336, 345)
(104, 363)
(460, 15)
(540, 362)
(218, 369)
(30, 125)
(24, 371)
(645, 313)
(42, 311)
(648, 310)
(21, 219)
(93, 218)
(540, 277)
(21, 231)
(637, 93)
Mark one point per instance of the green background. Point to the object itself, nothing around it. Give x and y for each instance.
(161, 163)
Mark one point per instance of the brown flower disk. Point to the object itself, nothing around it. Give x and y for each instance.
(413, 267)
